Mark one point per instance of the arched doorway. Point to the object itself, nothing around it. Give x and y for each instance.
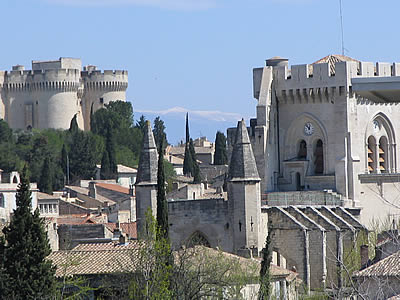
(302, 153)
(198, 238)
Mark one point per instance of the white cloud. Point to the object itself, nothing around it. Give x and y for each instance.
(168, 4)
(212, 115)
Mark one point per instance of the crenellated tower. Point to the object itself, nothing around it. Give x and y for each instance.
(49, 95)
(101, 88)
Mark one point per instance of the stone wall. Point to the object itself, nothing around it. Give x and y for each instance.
(209, 217)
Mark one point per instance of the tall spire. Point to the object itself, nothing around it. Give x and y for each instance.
(243, 164)
(147, 171)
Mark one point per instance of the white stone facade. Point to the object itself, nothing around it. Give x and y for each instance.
(330, 126)
(49, 95)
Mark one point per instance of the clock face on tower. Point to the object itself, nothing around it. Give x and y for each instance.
(308, 128)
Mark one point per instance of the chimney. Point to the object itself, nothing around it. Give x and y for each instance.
(122, 239)
(116, 233)
(92, 189)
(364, 256)
(131, 190)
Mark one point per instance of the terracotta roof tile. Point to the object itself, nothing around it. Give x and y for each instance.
(113, 187)
(128, 228)
(389, 266)
(96, 259)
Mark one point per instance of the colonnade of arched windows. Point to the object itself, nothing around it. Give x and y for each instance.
(379, 158)
(381, 146)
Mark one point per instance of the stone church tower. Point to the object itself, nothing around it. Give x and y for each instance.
(146, 180)
(244, 201)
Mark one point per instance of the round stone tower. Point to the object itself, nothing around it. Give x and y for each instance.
(101, 88)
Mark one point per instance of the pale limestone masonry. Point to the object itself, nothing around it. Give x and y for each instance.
(329, 126)
(49, 95)
(313, 240)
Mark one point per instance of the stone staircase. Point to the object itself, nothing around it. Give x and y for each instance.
(309, 198)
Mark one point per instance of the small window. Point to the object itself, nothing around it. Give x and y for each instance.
(2, 201)
(101, 100)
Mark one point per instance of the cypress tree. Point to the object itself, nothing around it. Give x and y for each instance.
(265, 277)
(195, 171)
(162, 205)
(105, 171)
(24, 249)
(220, 156)
(46, 177)
(73, 127)
(187, 162)
(110, 146)
(187, 128)
(92, 119)
(64, 159)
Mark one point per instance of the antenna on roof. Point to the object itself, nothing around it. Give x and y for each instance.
(341, 25)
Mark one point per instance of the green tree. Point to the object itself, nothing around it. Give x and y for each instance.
(141, 124)
(105, 171)
(73, 127)
(64, 161)
(220, 156)
(170, 175)
(162, 205)
(154, 269)
(187, 128)
(108, 162)
(160, 136)
(46, 177)
(24, 250)
(86, 151)
(5, 132)
(265, 276)
(187, 162)
(195, 166)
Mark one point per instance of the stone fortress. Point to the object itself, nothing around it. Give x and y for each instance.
(313, 169)
(326, 133)
(53, 92)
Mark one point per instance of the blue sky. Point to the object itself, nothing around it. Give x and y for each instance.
(194, 55)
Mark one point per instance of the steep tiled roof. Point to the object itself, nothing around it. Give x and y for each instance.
(389, 266)
(113, 187)
(76, 219)
(125, 169)
(243, 165)
(147, 169)
(96, 258)
(332, 59)
(128, 228)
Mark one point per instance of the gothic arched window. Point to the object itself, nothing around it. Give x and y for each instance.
(371, 149)
(383, 155)
(302, 153)
(319, 157)
(197, 238)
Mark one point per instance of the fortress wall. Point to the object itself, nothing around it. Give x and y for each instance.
(101, 88)
(2, 96)
(43, 99)
(207, 216)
